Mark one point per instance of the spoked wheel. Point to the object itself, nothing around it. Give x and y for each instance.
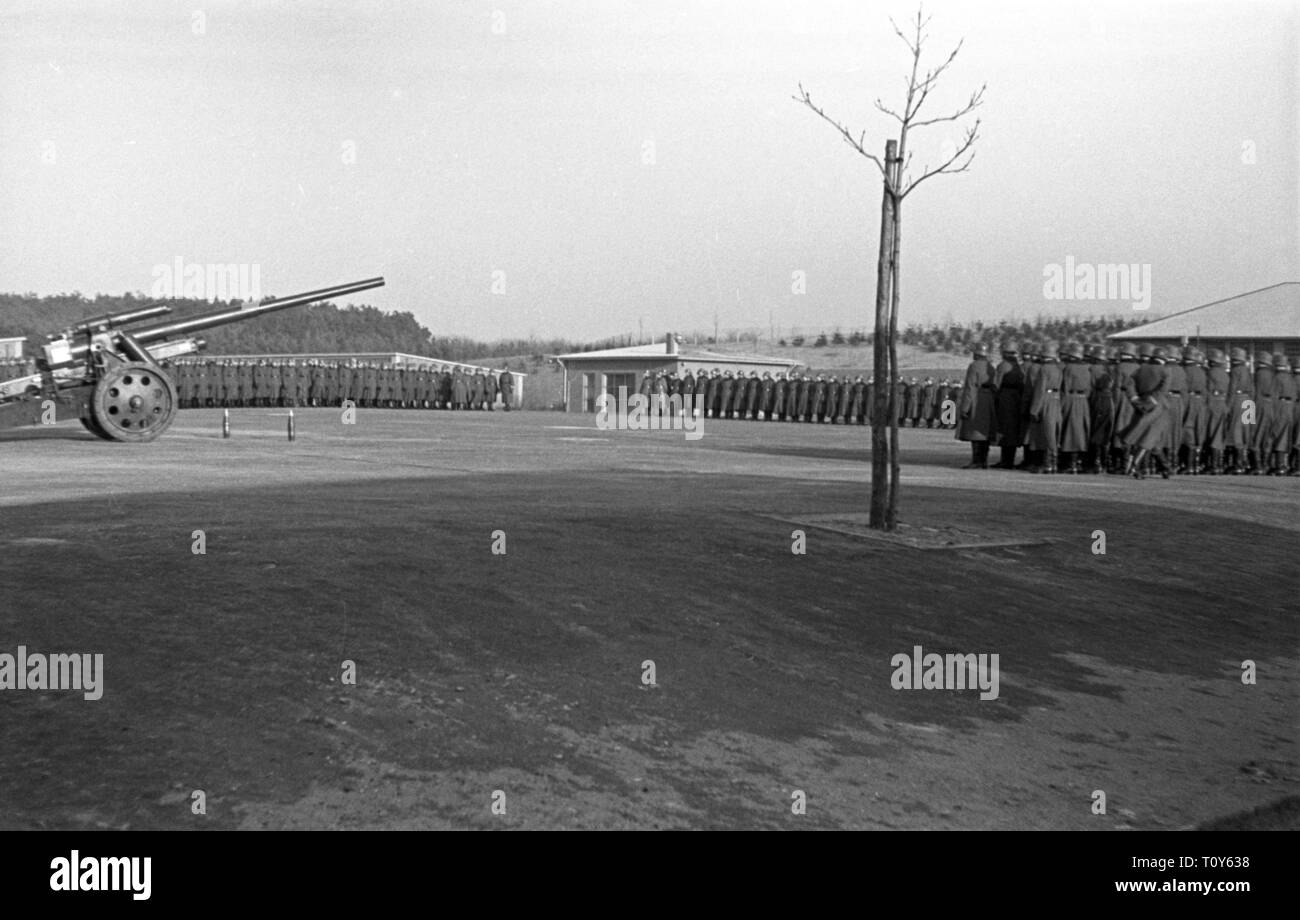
(133, 402)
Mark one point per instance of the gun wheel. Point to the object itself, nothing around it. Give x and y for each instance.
(133, 402)
(88, 422)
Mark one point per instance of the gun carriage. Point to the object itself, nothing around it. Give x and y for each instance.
(108, 372)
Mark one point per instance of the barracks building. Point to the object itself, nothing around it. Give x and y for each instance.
(1267, 320)
(587, 374)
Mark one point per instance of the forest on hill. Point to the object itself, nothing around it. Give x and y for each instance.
(317, 328)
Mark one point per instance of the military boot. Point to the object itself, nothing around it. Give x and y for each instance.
(974, 456)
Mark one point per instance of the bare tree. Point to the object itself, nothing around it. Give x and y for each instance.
(895, 171)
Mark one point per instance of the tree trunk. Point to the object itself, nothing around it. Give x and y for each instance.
(880, 500)
(891, 513)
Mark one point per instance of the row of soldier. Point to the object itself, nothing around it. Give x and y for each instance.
(798, 397)
(11, 368)
(1121, 409)
(233, 382)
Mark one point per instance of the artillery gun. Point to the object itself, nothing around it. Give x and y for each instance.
(111, 377)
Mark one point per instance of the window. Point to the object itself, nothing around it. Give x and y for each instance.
(614, 381)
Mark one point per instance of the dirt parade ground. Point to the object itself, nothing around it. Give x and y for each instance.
(400, 622)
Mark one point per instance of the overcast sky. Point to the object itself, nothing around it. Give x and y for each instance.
(628, 163)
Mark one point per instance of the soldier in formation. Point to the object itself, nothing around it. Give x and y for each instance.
(293, 383)
(797, 397)
(16, 367)
(1136, 411)
(975, 410)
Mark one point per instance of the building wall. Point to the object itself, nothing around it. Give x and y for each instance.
(584, 381)
(11, 348)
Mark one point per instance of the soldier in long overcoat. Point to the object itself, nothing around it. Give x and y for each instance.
(1008, 387)
(506, 383)
(1101, 406)
(1147, 432)
(1045, 410)
(1076, 411)
(1279, 434)
(722, 404)
(459, 389)
(1195, 409)
(1216, 411)
(978, 421)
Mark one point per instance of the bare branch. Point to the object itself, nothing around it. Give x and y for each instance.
(911, 82)
(932, 77)
(899, 32)
(975, 101)
(888, 111)
(913, 45)
(858, 144)
(918, 90)
(972, 134)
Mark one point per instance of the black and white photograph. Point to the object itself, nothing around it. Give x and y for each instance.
(635, 416)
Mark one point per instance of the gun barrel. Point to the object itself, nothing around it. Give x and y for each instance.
(79, 352)
(193, 324)
(121, 319)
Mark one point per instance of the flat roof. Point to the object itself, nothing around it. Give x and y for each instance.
(658, 351)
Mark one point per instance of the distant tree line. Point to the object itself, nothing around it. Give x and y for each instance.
(959, 338)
